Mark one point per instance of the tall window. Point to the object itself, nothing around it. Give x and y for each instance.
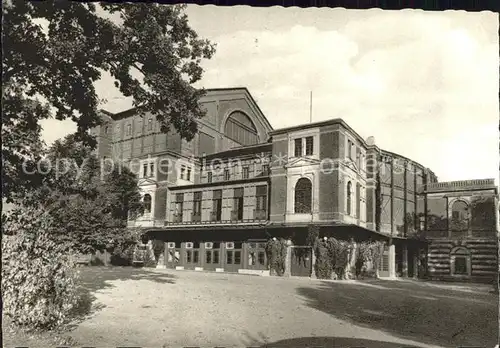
(145, 170)
(150, 124)
(265, 169)
(197, 206)
(245, 172)
(183, 171)
(261, 202)
(152, 169)
(303, 196)
(349, 197)
(459, 216)
(147, 203)
(209, 177)
(226, 174)
(217, 205)
(237, 213)
(460, 261)
(188, 178)
(298, 147)
(179, 207)
(309, 146)
(351, 150)
(129, 129)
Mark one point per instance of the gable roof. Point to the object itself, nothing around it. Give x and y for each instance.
(208, 91)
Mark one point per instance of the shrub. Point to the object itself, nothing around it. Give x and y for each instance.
(149, 258)
(334, 257)
(371, 252)
(323, 266)
(276, 255)
(38, 274)
(158, 248)
(122, 256)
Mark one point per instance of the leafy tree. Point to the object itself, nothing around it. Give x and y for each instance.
(88, 203)
(151, 51)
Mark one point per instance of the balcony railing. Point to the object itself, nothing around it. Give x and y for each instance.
(146, 223)
(260, 214)
(235, 216)
(214, 216)
(196, 217)
(462, 184)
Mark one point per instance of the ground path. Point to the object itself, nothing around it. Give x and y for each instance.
(181, 308)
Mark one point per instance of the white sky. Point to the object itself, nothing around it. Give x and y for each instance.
(425, 84)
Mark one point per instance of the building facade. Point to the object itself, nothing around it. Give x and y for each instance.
(217, 199)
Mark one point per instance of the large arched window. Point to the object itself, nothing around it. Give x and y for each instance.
(349, 193)
(240, 128)
(459, 216)
(460, 261)
(147, 203)
(303, 196)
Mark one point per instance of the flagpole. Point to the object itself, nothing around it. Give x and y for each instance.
(311, 107)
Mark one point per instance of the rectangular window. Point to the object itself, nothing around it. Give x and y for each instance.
(298, 147)
(261, 202)
(237, 213)
(179, 200)
(145, 170)
(188, 174)
(217, 205)
(309, 146)
(245, 172)
(129, 129)
(183, 171)
(226, 174)
(265, 169)
(178, 207)
(349, 149)
(150, 124)
(209, 177)
(197, 204)
(151, 169)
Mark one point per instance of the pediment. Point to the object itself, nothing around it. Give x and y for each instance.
(351, 164)
(302, 161)
(146, 181)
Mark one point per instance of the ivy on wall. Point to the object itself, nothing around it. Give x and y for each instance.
(378, 202)
(340, 259)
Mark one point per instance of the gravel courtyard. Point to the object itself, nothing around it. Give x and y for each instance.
(155, 308)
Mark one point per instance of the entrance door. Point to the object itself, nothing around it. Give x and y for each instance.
(232, 262)
(173, 255)
(257, 258)
(301, 261)
(212, 256)
(192, 255)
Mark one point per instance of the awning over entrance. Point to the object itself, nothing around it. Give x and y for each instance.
(295, 231)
